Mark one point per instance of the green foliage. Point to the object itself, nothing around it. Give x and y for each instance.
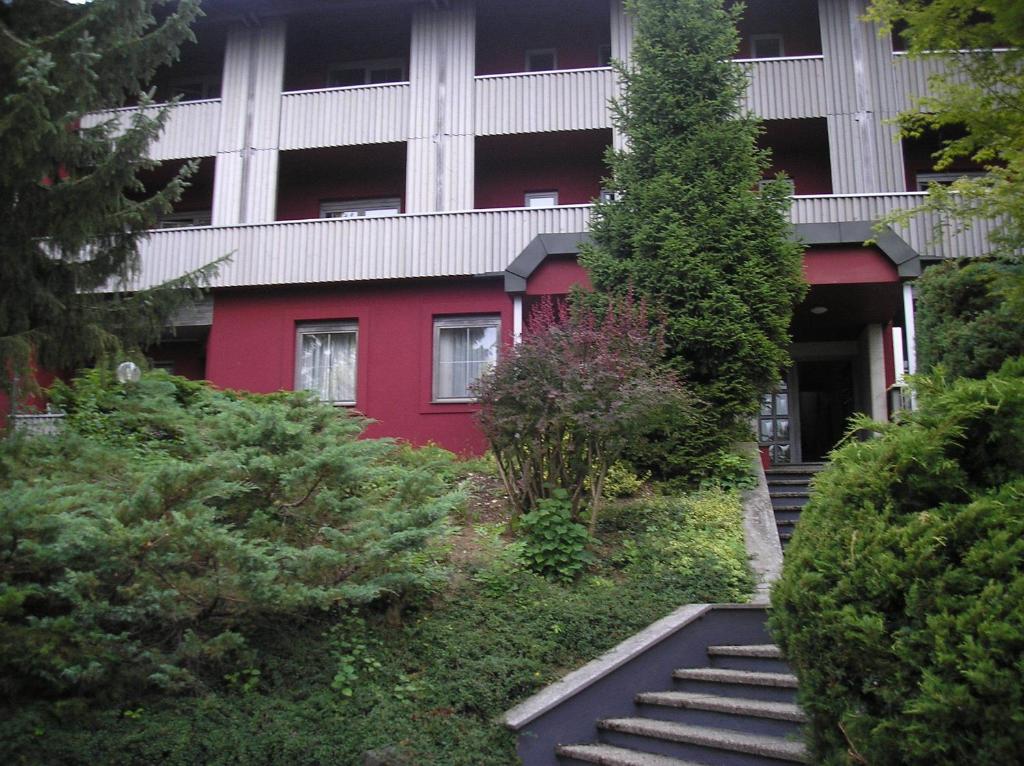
(980, 97)
(170, 520)
(553, 544)
(623, 481)
(445, 674)
(66, 188)
(901, 602)
(970, 316)
(689, 231)
(560, 407)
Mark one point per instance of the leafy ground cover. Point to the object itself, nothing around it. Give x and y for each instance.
(430, 685)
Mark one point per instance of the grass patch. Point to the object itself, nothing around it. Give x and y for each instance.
(328, 689)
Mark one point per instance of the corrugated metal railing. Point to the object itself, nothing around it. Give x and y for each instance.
(191, 131)
(787, 88)
(529, 102)
(457, 243)
(344, 116)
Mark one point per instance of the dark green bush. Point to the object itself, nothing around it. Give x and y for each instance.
(970, 316)
(902, 597)
(170, 520)
(433, 687)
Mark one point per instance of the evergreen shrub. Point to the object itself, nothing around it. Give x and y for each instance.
(169, 521)
(901, 603)
(970, 316)
(689, 231)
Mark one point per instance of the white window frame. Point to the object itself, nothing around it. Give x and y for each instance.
(540, 196)
(457, 323)
(610, 195)
(530, 53)
(321, 328)
(755, 39)
(379, 207)
(923, 180)
(369, 66)
(185, 219)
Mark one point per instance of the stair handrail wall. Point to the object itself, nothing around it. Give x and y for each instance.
(567, 711)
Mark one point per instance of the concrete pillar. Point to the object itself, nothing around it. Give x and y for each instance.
(441, 147)
(873, 349)
(863, 151)
(245, 177)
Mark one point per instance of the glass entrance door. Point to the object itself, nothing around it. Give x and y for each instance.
(773, 425)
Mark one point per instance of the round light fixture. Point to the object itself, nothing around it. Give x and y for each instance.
(128, 372)
(818, 310)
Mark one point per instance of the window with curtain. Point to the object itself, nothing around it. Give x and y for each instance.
(464, 348)
(326, 361)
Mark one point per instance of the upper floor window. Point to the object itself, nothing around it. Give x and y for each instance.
(766, 46)
(326, 361)
(361, 208)
(185, 219)
(464, 349)
(924, 180)
(541, 199)
(541, 60)
(371, 72)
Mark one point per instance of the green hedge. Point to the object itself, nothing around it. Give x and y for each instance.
(970, 316)
(901, 603)
(169, 521)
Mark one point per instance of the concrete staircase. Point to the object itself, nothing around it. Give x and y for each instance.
(738, 710)
(789, 488)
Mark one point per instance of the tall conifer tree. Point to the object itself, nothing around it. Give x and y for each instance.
(689, 229)
(71, 206)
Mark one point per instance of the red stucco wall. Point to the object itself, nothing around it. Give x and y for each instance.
(307, 177)
(796, 20)
(575, 28)
(848, 265)
(252, 347)
(571, 162)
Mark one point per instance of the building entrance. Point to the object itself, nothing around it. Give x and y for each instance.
(826, 402)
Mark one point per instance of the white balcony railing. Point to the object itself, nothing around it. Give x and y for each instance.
(338, 250)
(532, 102)
(369, 114)
(786, 88)
(920, 232)
(913, 73)
(453, 244)
(191, 131)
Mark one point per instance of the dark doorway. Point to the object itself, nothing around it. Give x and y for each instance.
(826, 402)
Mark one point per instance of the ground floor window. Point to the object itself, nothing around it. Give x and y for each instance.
(326, 361)
(464, 348)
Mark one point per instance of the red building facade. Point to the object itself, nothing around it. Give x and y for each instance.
(395, 179)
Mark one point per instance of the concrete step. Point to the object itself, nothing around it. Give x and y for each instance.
(790, 492)
(791, 468)
(608, 755)
(757, 657)
(776, 687)
(750, 716)
(702, 743)
(775, 481)
(766, 651)
(788, 513)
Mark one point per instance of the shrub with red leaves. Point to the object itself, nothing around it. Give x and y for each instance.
(559, 408)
